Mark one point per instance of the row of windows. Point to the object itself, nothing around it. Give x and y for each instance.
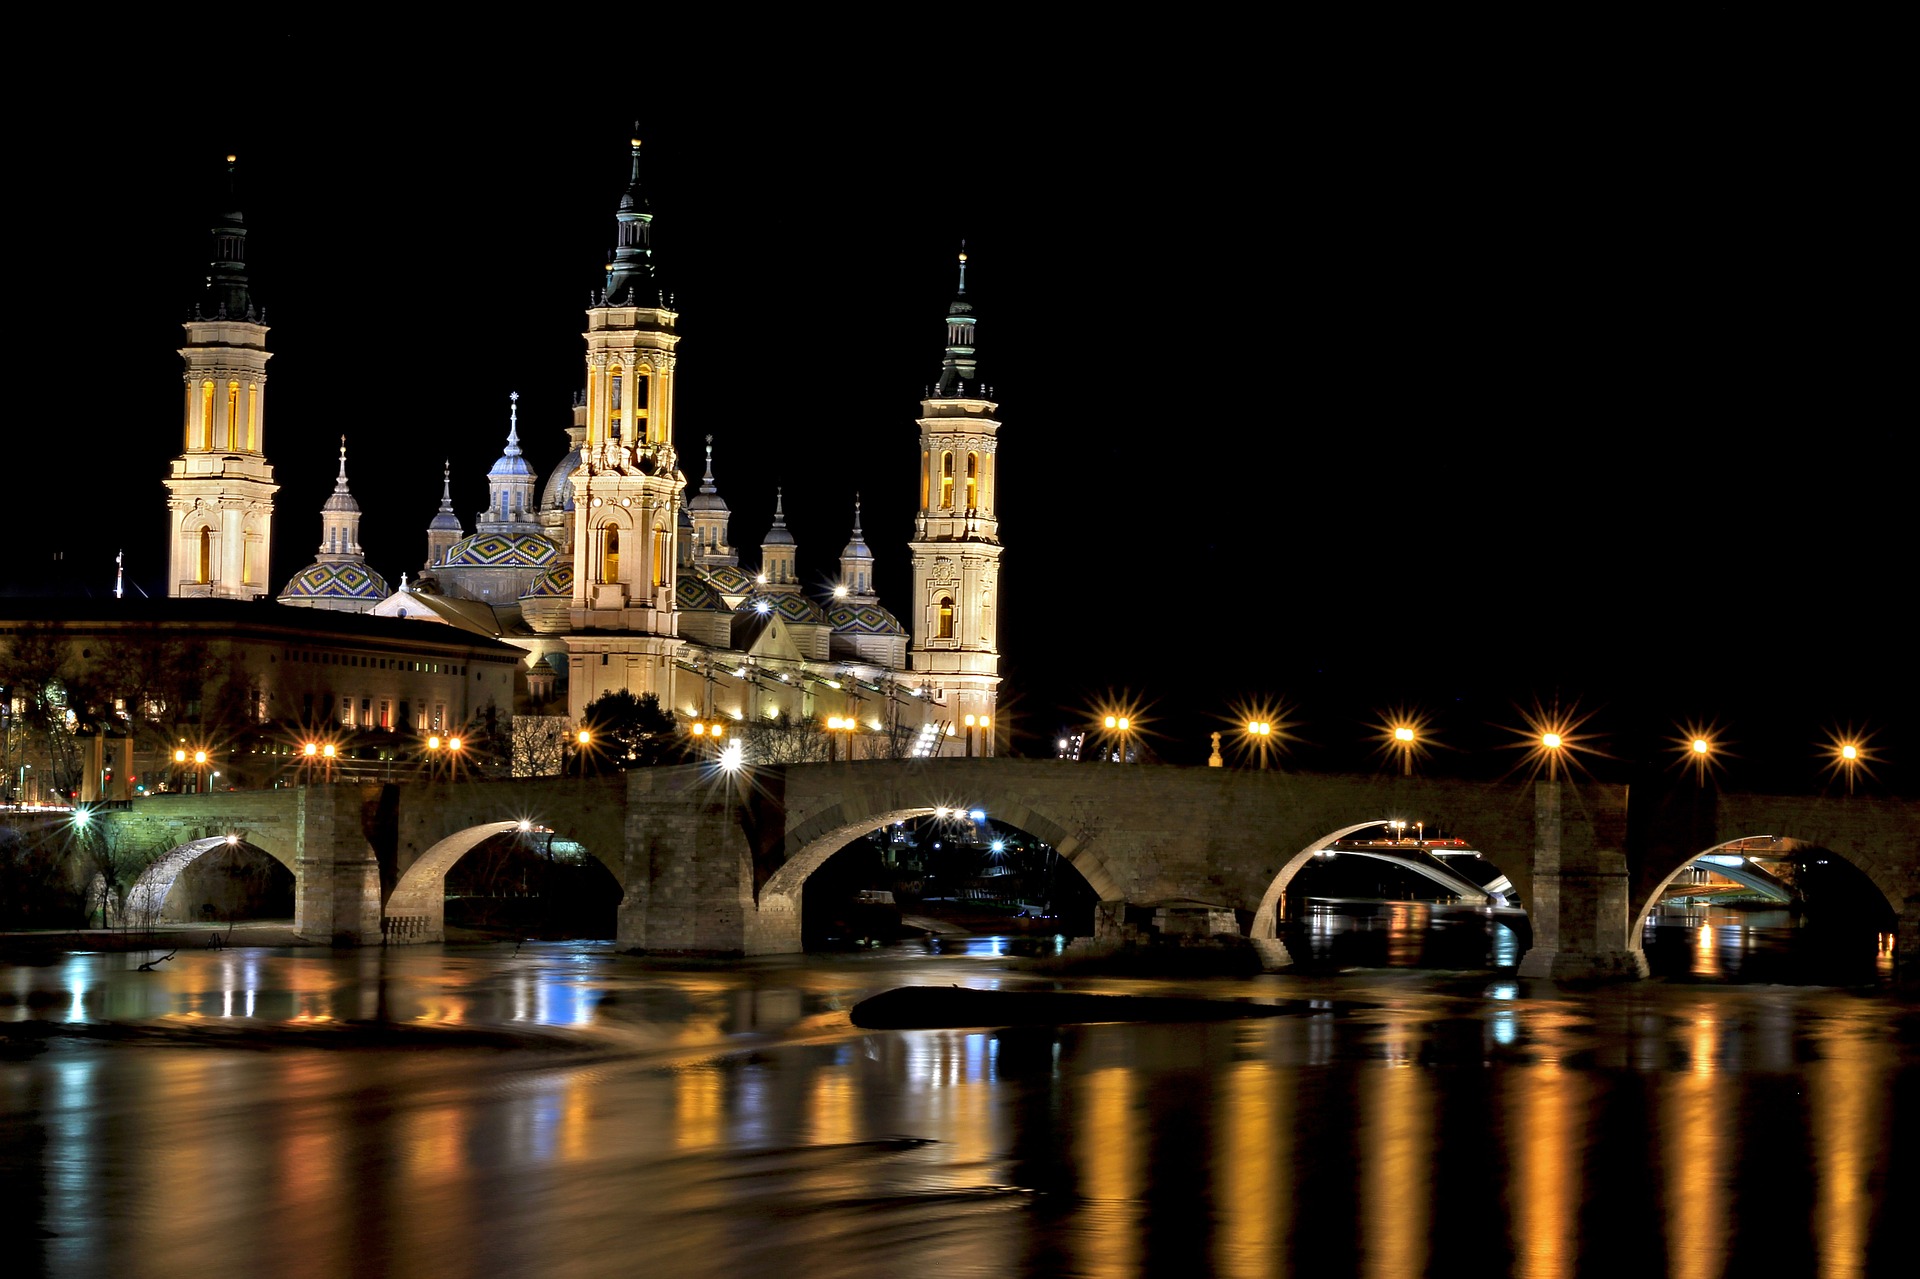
(200, 425)
(975, 479)
(370, 712)
(373, 663)
(618, 411)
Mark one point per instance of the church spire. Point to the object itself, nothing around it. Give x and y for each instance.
(340, 518)
(227, 294)
(959, 367)
(856, 561)
(509, 483)
(631, 279)
(445, 528)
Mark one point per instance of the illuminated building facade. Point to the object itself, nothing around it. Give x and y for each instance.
(220, 489)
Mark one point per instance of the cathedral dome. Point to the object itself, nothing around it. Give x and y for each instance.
(345, 582)
(863, 617)
(793, 607)
(501, 550)
(557, 494)
(732, 579)
(555, 583)
(690, 593)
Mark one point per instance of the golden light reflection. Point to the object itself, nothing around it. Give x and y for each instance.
(1693, 1110)
(1706, 949)
(1548, 1106)
(1396, 1160)
(831, 1107)
(1847, 1089)
(1253, 1159)
(697, 1109)
(1112, 1158)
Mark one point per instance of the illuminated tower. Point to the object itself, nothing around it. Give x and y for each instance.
(339, 578)
(445, 528)
(956, 546)
(627, 488)
(220, 489)
(710, 516)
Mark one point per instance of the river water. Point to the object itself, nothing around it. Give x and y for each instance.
(564, 1110)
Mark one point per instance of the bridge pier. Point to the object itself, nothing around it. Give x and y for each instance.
(336, 875)
(1580, 908)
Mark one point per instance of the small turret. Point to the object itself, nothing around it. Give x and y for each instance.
(856, 562)
(444, 529)
(777, 551)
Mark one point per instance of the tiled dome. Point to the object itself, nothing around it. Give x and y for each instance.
(863, 618)
(501, 550)
(793, 607)
(555, 583)
(344, 581)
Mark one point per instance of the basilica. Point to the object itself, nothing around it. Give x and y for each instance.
(616, 571)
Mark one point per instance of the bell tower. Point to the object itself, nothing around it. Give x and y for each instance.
(220, 489)
(628, 487)
(955, 653)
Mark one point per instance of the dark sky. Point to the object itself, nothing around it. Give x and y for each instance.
(1350, 368)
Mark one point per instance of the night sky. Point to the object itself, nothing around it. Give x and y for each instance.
(1345, 369)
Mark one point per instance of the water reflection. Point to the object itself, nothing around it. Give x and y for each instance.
(1332, 933)
(1721, 943)
(730, 1120)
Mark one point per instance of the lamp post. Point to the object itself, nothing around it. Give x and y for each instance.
(839, 726)
(582, 740)
(1259, 735)
(708, 734)
(1120, 726)
(1403, 741)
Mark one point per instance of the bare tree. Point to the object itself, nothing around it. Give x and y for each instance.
(539, 744)
(783, 742)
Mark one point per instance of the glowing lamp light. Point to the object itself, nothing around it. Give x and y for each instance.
(978, 815)
(969, 721)
(583, 737)
(699, 729)
(309, 750)
(525, 825)
(433, 743)
(731, 758)
(453, 743)
(232, 840)
(1550, 740)
(1403, 734)
(180, 757)
(839, 592)
(80, 816)
(327, 750)
(199, 757)
(1850, 752)
(1700, 746)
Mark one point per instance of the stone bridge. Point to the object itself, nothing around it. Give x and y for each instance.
(715, 863)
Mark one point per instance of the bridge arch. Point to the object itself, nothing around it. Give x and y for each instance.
(415, 911)
(1879, 874)
(147, 898)
(858, 811)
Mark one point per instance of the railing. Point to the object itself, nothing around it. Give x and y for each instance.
(402, 928)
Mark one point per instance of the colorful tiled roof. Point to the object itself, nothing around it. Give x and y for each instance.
(555, 583)
(849, 618)
(336, 581)
(501, 550)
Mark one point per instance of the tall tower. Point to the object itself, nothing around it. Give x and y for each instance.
(956, 546)
(627, 489)
(445, 528)
(220, 489)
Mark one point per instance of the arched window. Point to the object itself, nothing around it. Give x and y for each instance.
(203, 567)
(610, 553)
(973, 480)
(233, 415)
(946, 481)
(642, 391)
(660, 565)
(926, 480)
(206, 414)
(614, 404)
(945, 630)
(253, 418)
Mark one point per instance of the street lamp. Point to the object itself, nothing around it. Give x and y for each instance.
(1120, 726)
(582, 740)
(837, 725)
